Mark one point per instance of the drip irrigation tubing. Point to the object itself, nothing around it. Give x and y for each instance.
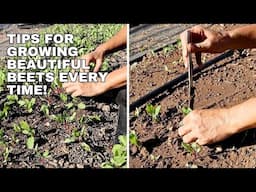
(177, 80)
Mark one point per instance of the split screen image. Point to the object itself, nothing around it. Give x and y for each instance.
(127, 96)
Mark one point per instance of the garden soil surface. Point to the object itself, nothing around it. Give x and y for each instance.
(99, 135)
(224, 84)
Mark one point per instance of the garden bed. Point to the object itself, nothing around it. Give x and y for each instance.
(224, 84)
(56, 130)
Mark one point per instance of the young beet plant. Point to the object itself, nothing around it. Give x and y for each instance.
(153, 111)
(27, 104)
(119, 154)
(24, 128)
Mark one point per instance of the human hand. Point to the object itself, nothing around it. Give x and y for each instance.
(206, 126)
(96, 57)
(203, 41)
(88, 89)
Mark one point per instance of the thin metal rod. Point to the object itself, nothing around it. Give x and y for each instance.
(190, 74)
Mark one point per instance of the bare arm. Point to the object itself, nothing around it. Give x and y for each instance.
(116, 41)
(116, 78)
(243, 116)
(97, 56)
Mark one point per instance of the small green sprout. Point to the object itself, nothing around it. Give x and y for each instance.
(119, 155)
(45, 109)
(153, 111)
(133, 138)
(186, 110)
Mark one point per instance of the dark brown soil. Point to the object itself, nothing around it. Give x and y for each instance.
(224, 84)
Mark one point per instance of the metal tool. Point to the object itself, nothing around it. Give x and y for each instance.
(190, 75)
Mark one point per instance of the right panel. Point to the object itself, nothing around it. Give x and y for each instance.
(197, 122)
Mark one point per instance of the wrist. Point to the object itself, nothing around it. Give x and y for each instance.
(232, 124)
(102, 48)
(226, 39)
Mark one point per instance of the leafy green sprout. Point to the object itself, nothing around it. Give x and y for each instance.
(2, 78)
(133, 138)
(168, 48)
(119, 154)
(94, 118)
(64, 97)
(85, 146)
(27, 104)
(45, 109)
(137, 112)
(186, 110)
(153, 111)
(74, 136)
(24, 128)
(81, 105)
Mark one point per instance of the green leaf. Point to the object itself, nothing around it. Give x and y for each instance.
(21, 103)
(16, 128)
(46, 153)
(85, 146)
(70, 140)
(81, 106)
(72, 118)
(133, 138)
(12, 97)
(63, 97)
(196, 147)
(137, 112)
(94, 117)
(69, 105)
(45, 109)
(33, 101)
(24, 125)
(187, 147)
(157, 110)
(30, 142)
(122, 140)
(118, 161)
(186, 110)
(106, 165)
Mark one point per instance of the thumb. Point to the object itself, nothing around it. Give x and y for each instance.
(199, 47)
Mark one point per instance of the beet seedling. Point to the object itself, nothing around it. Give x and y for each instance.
(44, 108)
(2, 78)
(63, 97)
(27, 104)
(153, 111)
(119, 155)
(137, 112)
(133, 138)
(27, 130)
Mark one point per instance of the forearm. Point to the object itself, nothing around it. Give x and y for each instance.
(242, 37)
(116, 78)
(243, 116)
(116, 41)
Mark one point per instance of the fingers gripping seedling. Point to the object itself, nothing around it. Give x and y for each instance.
(192, 148)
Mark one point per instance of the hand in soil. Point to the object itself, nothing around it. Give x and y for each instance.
(95, 57)
(88, 89)
(203, 40)
(205, 126)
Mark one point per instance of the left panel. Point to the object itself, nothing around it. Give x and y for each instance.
(63, 95)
